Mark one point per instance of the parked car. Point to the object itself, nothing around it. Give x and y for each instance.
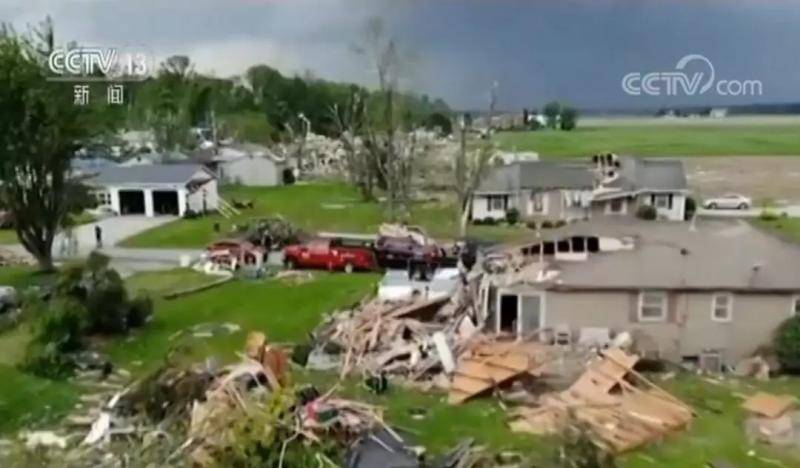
(732, 201)
(330, 254)
(397, 252)
(236, 252)
(102, 211)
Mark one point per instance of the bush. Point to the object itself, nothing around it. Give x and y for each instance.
(690, 208)
(559, 223)
(190, 214)
(58, 332)
(547, 224)
(140, 311)
(646, 212)
(512, 216)
(767, 215)
(288, 176)
(531, 224)
(107, 303)
(787, 344)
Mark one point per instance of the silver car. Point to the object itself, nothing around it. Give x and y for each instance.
(731, 201)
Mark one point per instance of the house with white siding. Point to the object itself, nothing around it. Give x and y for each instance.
(572, 189)
(156, 189)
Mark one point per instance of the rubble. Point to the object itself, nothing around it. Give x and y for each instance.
(773, 419)
(619, 415)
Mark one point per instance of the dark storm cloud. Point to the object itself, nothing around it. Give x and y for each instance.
(536, 50)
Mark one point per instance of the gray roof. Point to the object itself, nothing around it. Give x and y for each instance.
(148, 174)
(650, 174)
(714, 255)
(538, 175)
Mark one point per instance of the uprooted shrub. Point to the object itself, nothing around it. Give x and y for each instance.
(57, 332)
(88, 299)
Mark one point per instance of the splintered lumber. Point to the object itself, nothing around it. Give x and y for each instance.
(491, 365)
(768, 404)
(618, 415)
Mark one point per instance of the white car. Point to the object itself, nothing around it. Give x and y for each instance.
(102, 211)
(732, 201)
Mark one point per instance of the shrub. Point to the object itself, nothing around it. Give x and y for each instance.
(559, 223)
(547, 224)
(531, 224)
(768, 215)
(787, 344)
(288, 176)
(690, 208)
(512, 216)
(107, 303)
(58, 333)
(190, 214)
(647, 212)
(489, 221)
(140, 311)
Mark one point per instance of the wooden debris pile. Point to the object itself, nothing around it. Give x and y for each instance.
(620, 408)
(773, 419)
(491, 363)
(416, 339)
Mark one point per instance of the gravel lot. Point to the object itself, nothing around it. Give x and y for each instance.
(764, 178)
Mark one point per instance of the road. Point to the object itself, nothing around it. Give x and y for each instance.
(793, 211)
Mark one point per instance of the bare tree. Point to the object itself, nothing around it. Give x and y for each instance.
(393, 153)
(350, 120)
(470, 165)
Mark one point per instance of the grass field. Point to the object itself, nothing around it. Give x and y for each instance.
(647, 139)
(313, 207)
(787, 228)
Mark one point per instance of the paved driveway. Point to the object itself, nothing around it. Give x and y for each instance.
(114, 229)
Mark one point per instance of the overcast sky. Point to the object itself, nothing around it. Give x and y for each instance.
(537, 50)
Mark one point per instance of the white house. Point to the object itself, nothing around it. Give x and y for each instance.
(158, 189)
(244, 164)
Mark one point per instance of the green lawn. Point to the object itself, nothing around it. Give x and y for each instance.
(659, 140)
(788, 228)
(158, 283)
(313, 207)
(285, 313)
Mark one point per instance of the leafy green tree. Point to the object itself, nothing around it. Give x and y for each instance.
(39, 129)
(569, 118)
(440, 121)
(551, 111)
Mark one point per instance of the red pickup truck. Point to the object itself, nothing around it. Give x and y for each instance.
(329, 254)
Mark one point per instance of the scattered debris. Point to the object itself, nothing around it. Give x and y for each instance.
(755, 366)
(619, 415)
(295, 276)
(773, 419)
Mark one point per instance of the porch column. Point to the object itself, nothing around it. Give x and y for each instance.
(181, 202)
(148, 203)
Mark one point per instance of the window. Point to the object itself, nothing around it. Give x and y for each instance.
(616, 206)
(795, 306)
(537, 203)
(103, 198)
(661, 201)
(652, 306)
(497, 203)
(721, 307)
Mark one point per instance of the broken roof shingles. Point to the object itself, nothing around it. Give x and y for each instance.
(716, 255)
(650, 174)
(537, 175)
(147, 174)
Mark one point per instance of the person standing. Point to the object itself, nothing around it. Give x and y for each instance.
(98, 236)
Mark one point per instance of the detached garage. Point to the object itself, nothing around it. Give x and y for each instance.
(157, 190)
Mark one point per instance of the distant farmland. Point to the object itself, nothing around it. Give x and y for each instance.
(745, 135)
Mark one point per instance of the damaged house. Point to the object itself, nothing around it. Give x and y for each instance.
(606, 185)
(711, 294)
